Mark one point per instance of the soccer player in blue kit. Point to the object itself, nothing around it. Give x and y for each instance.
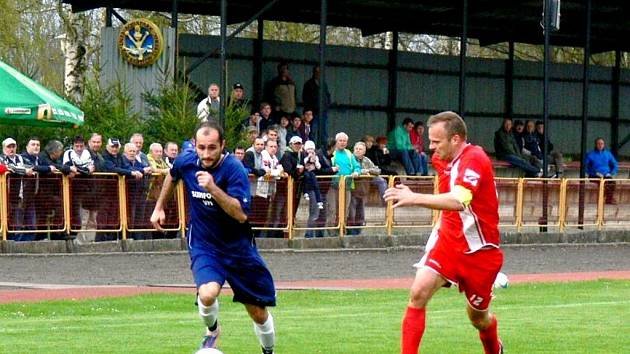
(220, 239)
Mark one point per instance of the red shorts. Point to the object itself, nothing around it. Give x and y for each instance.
(474, 273)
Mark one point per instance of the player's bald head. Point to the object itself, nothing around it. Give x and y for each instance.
(453, 124)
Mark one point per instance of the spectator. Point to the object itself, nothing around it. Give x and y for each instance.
(209, 107)
(272, 134)
(84, 206)
(171, 150)
(136, 193)
(306, 129)
(267, 187)
(362, 188)
(310, 98)
(18, 169)
(519, 132)
(79, 157)
(600, 163)
(251, 134)
(138, 140)
(253, 165)
(311, 164)
(283, 91)
(94, 148)
(237, 98)
(114, 160)
(157, 163)
(282, 134)
(296, 128)
(555, 157)
(114, 164)
(416, 135)
(253, 120)
(266, 119)
(52, 156)
(378, 153)
(506, 149)
(399, 144)
(531, 144)
(33, 197)
(292, 164)
(344, 164)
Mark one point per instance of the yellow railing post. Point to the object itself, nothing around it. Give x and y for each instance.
(122, 201)
(519, 204)
(389, 212)
(4, 200)
(67, 203)
(181, 204)
(290, 207)
(341, 207)
(600, 203)
(563, 203)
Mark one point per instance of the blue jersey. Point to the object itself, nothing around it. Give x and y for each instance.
(210, 228)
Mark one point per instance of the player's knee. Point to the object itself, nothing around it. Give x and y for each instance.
(207, 294)
(480, 321)
(258, 314)
(419, 295)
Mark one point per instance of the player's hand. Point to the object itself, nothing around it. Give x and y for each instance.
(401, 195)
(205, 180)
(158, 218)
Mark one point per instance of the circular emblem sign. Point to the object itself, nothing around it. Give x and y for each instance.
(140, 42)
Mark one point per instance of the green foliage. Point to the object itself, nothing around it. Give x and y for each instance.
(109, 111)
(234, 116)
(349, 322)
(172, 113)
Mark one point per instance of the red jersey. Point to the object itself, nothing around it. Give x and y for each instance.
(476, 226)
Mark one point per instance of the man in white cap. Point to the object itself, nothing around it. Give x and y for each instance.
(17, 168)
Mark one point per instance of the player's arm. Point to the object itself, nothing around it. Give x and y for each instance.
(230, 205)
(158, 217)
(457, 199)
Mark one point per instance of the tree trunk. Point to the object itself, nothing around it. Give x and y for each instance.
(73, 49)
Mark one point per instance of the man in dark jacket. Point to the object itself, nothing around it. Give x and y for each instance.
(506, 149)
(34, 199)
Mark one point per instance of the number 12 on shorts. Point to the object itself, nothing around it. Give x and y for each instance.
(475, 300)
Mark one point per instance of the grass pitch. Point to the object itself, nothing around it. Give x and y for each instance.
(581, 317)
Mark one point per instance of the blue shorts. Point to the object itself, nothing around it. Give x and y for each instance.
(248, 277)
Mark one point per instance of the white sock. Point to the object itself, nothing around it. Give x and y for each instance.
(210, 313)
(266, 333)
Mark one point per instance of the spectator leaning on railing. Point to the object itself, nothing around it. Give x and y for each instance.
(348, 166)
(170, 153)
(94, 148)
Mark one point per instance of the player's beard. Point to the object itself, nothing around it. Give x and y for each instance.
(214, 164)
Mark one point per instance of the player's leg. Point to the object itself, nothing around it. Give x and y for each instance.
(486, 324)
(479, 271)
(263, 327)
(208, 305)
(426, 283)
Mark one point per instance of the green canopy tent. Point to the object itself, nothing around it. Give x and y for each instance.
(25, 102)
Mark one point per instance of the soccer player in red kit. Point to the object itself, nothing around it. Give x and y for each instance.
(463, 248)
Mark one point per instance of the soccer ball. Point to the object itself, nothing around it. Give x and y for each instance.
(208, 351)
(501, 281)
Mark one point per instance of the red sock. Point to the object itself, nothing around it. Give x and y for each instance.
(412, 330)
(490, 338)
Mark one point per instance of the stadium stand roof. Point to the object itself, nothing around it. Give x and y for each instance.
(489, 21)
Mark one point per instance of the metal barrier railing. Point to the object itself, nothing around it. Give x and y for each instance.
(108, 203)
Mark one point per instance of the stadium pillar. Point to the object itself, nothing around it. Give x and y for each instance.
(108, 17)
(585, 93)
(462, 59)
(174, 21)
(614, 119)
(323, 22)
(585, 86)
(258, 63)
(223, 71)
(392, 88)
(509, 82)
